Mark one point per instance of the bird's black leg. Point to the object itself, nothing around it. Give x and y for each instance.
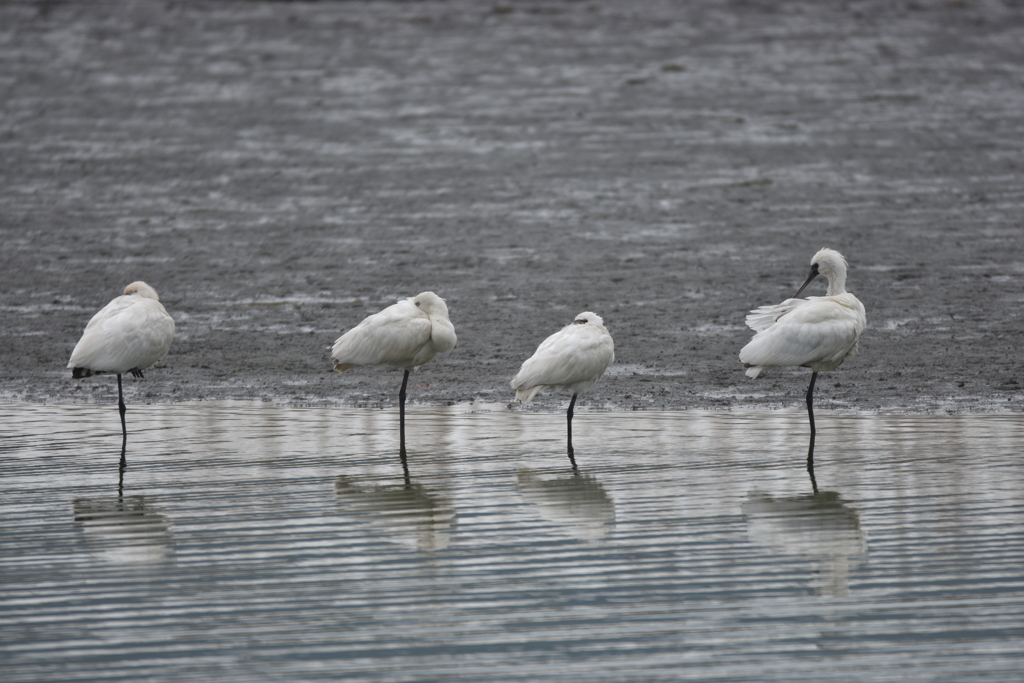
(401, 415)
(568, 418)
(810, 395)
(405, 470)
(810, 464)
(810, 448)
(122, 409)
(120, 477)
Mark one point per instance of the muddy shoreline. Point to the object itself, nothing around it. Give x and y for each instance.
(278, 171)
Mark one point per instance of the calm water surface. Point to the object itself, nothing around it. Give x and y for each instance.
(252, 542)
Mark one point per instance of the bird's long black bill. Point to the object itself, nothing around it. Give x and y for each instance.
(814, 274)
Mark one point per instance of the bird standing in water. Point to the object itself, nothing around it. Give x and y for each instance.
(130, 334)
(404, 335)
(573, 359)
(818, 332)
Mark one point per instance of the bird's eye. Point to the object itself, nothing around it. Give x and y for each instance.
(417, 303)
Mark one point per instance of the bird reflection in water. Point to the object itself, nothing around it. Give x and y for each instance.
(578, 503)
(123, 529)
(407, 514)
(820, 527)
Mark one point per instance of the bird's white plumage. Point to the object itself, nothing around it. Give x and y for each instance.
(574, 359)
(818, 332)
(404, 335)
(132, 332)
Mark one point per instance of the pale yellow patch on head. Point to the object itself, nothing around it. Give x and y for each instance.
(142, 289)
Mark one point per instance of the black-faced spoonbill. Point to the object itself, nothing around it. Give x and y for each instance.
(573, 359)
(818, 332)
(129, 334)
(404, 335)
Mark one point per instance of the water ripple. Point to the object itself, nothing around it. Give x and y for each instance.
(255, 542)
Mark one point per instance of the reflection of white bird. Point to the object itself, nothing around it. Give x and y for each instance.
(407, 514)
(818, 332)
(820, 527)
(578, 504)
(404, 335)
(574, 358)
(129, 334)
(124, 529)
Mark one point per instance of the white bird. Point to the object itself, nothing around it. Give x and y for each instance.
(818, 332)
(404, 335)
(129, 334)
(573, 359)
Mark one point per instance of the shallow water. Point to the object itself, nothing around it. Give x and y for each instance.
(255, 542)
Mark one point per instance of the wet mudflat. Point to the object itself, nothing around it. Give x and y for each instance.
(277, 171)
(252, 541)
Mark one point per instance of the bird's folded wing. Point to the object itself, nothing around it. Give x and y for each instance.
(807, 334)
(567, 357)
(386, 338)
(124, 337)
(110, 310)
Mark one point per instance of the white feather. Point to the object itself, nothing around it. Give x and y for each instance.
(818, 332)
(764, 317)
(132, 332)
(573, 359)
(404, 335)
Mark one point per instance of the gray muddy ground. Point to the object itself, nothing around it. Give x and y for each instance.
(280, 170)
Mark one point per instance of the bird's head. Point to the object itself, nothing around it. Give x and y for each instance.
(141, 289)
(431, 304)
(827, 262)
(588, 318)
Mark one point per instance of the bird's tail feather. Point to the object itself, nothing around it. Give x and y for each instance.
(526, 395)
(754, 370)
